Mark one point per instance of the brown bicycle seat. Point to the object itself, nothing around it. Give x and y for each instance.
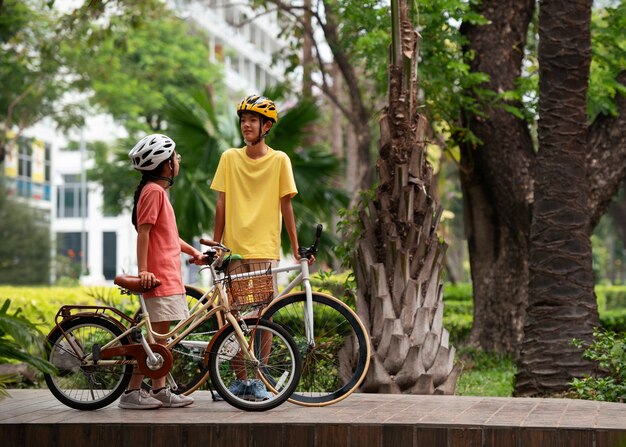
(133, 283)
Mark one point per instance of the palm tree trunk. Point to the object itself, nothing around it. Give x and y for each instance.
(561, 303)
(399, 258)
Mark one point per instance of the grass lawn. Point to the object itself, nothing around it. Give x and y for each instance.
(485, 374)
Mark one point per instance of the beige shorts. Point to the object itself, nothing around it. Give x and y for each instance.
(167, 308)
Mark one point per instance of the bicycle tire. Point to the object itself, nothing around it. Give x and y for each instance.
(79, 386)
(324, 380)
(190, 368)
(282, 365)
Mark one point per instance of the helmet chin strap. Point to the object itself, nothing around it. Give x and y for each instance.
(169, 180)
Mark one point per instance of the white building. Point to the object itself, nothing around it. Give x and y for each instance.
(103, 246)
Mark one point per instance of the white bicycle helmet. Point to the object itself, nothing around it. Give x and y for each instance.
(151, 151)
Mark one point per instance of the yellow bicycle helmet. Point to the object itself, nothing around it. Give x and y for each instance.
(259, 104)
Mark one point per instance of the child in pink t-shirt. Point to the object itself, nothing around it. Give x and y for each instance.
(158, 256)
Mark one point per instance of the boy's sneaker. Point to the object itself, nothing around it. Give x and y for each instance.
(258, 390)
(139, 400)
(171, 400)
(253, 390)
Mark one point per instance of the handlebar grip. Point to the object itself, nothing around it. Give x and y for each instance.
(312, 250)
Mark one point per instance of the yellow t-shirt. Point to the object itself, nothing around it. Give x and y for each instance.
(253, 190)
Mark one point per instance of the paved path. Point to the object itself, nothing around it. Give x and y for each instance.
(376, 419)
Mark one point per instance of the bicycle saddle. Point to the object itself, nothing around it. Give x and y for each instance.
(132, 283)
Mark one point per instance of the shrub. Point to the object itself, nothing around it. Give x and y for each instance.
(608, 350)
(613, 320)
(40, 304)
(611, 297)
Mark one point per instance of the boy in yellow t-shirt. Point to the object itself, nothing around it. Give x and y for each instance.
(255, 185)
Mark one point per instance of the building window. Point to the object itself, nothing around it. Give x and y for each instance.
(27, 168)
(109, 254)
(69, 198)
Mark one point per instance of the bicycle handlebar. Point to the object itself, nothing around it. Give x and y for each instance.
(305, 252)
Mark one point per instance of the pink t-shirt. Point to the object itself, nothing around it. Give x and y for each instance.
(155, 208)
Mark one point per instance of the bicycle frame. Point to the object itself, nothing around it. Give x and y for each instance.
(302, 277)
(217, 303)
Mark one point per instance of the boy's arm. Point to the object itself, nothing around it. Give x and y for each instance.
(220, 217)
(290, 223)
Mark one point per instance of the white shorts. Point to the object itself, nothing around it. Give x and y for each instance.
(167, 308)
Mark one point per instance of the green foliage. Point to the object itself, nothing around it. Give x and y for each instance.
(25, 247)
(137, 61)
(339, 285)
(609, 59)
(20, 341)
(350, 227)
(40, 304)
(458, 311)
(30, 66)
(485, 374)
(608, 350)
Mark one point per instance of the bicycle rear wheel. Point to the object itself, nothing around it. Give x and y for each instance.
(80, 384)
(336, 365)
(279, 368)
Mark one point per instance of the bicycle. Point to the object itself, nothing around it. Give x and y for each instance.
(95, 348)
(333, 341)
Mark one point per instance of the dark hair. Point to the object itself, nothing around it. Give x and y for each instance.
(145, 178)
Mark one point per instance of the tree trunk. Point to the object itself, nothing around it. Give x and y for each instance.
(606, 159)
(399, 258)
(496, 180)
(561, 303)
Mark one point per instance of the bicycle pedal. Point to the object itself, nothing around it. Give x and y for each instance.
(136, 335)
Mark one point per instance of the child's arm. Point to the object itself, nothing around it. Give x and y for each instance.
(191, 251)
(143, 239)
(220, 217)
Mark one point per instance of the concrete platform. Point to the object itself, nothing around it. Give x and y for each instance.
(36, 418)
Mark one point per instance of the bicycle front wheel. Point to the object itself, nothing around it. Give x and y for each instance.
(235, 377)
(334, 365)
(81, 384)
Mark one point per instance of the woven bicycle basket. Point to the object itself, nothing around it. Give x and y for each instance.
(253, 286)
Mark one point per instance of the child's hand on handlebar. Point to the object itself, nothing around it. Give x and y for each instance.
(198, 258)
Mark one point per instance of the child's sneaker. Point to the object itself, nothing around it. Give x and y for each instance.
(138, 400)
(171, 400)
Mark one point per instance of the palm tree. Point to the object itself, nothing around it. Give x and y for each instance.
(399, 258)
(205, 134)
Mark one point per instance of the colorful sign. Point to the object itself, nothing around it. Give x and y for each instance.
(39, 162)
(10, 160)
